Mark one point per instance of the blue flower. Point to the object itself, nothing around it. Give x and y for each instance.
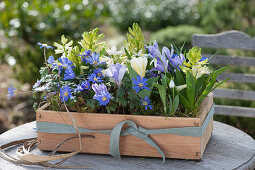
(104, 98)
(101, 94)
(78, 89)
(69, 74)
(93, 59)
(65, 93)
(175, 60)
(51, 60)
(117, 72)
(139, 83)
(85, 85)
(85, 55)
(11, 91)
(65, 63)
(202, 59)
(44, 45)
(37, 84)
(98, 72)
(94, 78)
(146, 103)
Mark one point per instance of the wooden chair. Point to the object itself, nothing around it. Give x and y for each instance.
(231, 40)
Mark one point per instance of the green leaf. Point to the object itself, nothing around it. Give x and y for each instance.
(184, 102)
(162, 93)
(132, 72)
(210, 84)
(190, 88)
(176, 103)
(199, 84)
(170, 107)
(220, 83)
(127, 53)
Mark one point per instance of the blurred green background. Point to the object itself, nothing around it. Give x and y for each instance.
(23, 23)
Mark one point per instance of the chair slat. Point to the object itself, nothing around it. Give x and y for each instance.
(234, 94)
(227, 40)
(236, 77)
(234, 111)
(229, 60)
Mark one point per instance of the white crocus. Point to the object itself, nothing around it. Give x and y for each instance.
(116, 72)
(139, 65)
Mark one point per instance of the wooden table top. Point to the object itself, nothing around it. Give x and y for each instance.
(228, 148)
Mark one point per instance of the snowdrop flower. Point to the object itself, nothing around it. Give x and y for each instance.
(171, 84)
(139, 65)
(117, 72)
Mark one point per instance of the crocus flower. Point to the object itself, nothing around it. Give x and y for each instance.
(139, 65)
(65, 93)
(69, 74)
(44, 45)
(94, 78)
(146, 103)
(101, 94)
(139, 83)
(85, 85)
(11, 91)
(93, 59)
(117, 72)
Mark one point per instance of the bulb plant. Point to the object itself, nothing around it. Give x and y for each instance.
(138, 79)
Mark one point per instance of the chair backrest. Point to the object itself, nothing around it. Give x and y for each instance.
(231, 40)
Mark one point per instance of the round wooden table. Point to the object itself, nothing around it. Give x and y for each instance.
(228, 148)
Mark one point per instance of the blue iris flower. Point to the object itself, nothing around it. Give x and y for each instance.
(85, 85)
(94, 78)
(98, 72)
(69, 74)
(85, 55)
(93, 59)
(146, 102)
(11, 91)
(65, 93)
(139, 83)
(44, 45)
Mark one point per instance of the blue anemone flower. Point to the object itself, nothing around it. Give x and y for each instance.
(44, 45)
(85, 55)
(98, 72)
(146, 102)
(139, 83)
(78, 88)
(65, 93)
(64, 63)
(11, 91)
(69, 74)
(51, 60)
(85, 85)
(202, 59)
(94, 78)
(104, 98)
(93, 59)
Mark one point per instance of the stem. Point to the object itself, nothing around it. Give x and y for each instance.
(44, 52)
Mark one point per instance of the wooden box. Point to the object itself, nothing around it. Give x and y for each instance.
(173, 146)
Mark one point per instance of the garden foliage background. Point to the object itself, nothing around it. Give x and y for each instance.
(26, 22)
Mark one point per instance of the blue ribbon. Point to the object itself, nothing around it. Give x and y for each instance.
(132, 129)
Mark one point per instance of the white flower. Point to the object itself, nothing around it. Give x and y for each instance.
(116, 72)
(171, 84)
(139, 65)
(113, 51)
(108, 60)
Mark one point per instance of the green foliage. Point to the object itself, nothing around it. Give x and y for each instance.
(135, 40)
(90, 40)
(151, 14)
(27, 22)
(177, 35)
